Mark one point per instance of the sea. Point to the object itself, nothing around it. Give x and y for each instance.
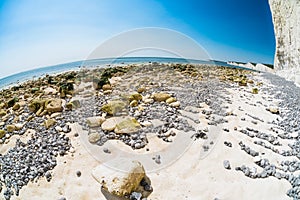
(18, 78)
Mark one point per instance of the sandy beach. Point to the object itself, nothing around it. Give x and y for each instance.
(200, 132)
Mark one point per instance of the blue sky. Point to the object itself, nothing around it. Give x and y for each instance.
(42, 33)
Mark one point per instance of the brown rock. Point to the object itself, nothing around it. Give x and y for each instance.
(127, 125)
(54, 105)
(106, 87)
(2, 133)
(10, 128)
(161, 96)
(120, 182)
(50, 122)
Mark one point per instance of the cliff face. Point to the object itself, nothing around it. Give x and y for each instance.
(286, 20)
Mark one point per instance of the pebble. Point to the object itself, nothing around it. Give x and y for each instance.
(226, 164)
(78, 173)
(157, 159)
(94, 137)
(106, 150)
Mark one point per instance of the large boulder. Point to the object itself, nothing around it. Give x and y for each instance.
(114, 107)
(120, 183)
(127, 125)
(54, 105)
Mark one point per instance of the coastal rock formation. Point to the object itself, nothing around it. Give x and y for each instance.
(286, 20)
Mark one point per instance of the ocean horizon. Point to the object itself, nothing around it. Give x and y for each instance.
(20, 77)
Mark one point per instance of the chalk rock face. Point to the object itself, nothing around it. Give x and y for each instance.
(286, 20)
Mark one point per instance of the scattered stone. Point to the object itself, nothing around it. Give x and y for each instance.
(175, 104)
(110, 123)
(49, 122)
(226, 164)
(134, 103)
(157, 159)
(149, 101)
(141, 90)
(254, 91)
(135, 96)
(229, 144)
(171, 100)
(78, 173)
(106, 87)
(161, 96)
(54, 105)
(16, 107)
(94, 137)
(273, 110)
(127, 125)
(106, 150)
(114, 107)
(2, 133)
(95, 121)
(10, 128)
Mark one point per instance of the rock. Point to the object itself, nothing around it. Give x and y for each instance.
(226, 164)
(127, 125)
(10, 128)
(161, 96)
(120, 182)
(2, 113)
(66, 88)
(94, 137)
(149, 101)
(254, 91)
(146, 123)
(34, 90)
(170, 100)
(134, 103)
(50, 90)
(54, 105)
(106, 150)
(175, 104)
(49, 122)
(2, 133)
(11, 102)
(106, 92)
(74, 104)
(113, 107)
(135, 96)
(58, 129)
(243, 82)
(78, 173)
(19, 126)
(136, 196)
(37, 105)
(157, 159)
(16, 107)
(110, 123)
(141, 90)
(54, 115)
(106, 87)
(273, 110)
(95, 121)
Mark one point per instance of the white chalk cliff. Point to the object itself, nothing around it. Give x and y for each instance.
(286, 20)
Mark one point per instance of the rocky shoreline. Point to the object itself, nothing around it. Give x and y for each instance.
(257, 113)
